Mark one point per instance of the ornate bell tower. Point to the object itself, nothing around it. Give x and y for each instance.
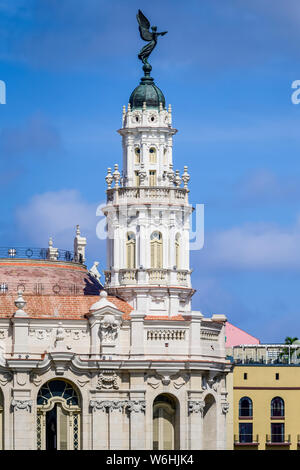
(148, 211)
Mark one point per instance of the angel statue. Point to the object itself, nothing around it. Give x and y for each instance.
(147, 35)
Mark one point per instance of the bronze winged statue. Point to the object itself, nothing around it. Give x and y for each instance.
(147, 35)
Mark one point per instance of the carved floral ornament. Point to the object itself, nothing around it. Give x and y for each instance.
(120, 405)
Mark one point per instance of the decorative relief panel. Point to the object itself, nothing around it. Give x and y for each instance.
(40, 334)
(109, 328)
(107, 379)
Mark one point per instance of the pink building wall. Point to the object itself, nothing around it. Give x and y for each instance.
(235, 336)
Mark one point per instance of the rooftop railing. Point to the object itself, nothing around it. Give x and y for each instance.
(38, 254)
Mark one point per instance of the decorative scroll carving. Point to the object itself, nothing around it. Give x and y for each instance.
(21, 405)
(196, 406)
(225, 407)
(166, 377)
(35, 378)
(107, 379)
(5, 378)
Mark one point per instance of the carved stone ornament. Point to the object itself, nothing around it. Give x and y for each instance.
(109, 326)
(35, 379)
(21, 405)
(180, 381)
(2, 334)
(225, 407)
(5, 378)
(109, 405)
(107, 379)
(136, 405)
(60, 334)
(153, 381)
(210, 382)
(196, 406)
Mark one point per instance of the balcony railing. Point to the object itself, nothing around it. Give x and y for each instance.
(245, 439)
(156, 193)
(278, 439)
(151, 276)
(37, 253)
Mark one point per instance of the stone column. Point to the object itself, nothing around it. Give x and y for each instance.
(116, 438)
(100, 431)
(137, 424)
(24, 424)
(195, 410)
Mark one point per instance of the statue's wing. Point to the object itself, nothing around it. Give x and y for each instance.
(144, 26)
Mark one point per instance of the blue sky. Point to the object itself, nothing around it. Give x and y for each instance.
(227, 69)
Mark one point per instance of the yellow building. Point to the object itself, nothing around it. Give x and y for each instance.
(265, 398)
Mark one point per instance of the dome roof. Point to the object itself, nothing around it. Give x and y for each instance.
(147, 92)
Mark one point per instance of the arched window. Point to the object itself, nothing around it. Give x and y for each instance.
(137, 155)
(277, 407)
(165, 423)
(152, 155)
(177, 251)
(156, 250)
(58, 416)
(130, 251)
(245, 407)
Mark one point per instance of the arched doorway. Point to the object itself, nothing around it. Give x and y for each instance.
(58, 416)
(210, 423)
(165, 423)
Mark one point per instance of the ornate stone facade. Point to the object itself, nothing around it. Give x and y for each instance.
(131, 366)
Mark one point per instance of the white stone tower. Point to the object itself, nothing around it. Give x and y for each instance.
(148, 213)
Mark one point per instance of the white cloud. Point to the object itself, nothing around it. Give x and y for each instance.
(264, 186)
(56, 214)
(256, 246)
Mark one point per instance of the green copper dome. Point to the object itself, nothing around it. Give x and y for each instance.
(147, 92)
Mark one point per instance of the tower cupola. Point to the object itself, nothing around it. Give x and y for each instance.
(147, 92)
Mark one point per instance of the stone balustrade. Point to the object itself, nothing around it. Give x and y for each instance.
(149, 276)
(131, 194)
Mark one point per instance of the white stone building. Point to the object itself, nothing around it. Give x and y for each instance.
(130, 365)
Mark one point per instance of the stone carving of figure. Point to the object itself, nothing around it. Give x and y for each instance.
(94, 271)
